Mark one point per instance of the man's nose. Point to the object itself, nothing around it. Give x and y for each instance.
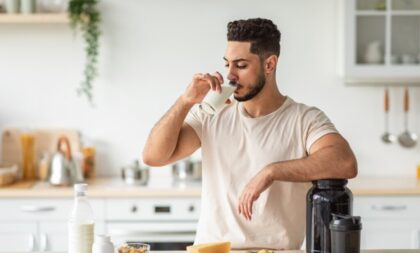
(232, 77)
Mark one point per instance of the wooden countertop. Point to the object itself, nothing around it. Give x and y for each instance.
(301, 251)
(115, 188)
(102, 188)
(292, 251)
(373, 186)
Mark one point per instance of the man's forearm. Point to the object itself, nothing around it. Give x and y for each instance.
(330, 162)
(163, 138)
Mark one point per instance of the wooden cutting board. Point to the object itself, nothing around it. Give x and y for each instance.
(45, 140)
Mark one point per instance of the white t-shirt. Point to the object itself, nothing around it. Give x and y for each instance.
(235, 147)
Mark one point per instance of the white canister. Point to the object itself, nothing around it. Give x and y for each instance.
(54, 5)
(373, 54)
(408, 59)
(27, 6)
(102, 244)
(12, 6)
(395, 59)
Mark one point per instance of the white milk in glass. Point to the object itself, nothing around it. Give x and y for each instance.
(80, 238)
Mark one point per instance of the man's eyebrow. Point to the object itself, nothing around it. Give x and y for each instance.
(236, 60)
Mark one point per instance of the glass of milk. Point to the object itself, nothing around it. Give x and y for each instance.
(215, 100)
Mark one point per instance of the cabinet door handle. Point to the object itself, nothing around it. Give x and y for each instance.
(390, 208)
(43, 245)
(37, 209)
(31, 243)
(123, 232)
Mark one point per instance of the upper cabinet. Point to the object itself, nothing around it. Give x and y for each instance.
(382, 42)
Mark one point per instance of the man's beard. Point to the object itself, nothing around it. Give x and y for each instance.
(255, 90)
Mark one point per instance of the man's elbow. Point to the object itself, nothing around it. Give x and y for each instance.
(150, 159)
(351, 168)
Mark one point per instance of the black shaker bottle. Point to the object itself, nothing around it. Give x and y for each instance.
(345, 234)
(326, 197)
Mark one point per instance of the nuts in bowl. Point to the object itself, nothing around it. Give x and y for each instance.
(134, 247)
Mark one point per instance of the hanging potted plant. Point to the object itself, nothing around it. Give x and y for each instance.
(84, 16)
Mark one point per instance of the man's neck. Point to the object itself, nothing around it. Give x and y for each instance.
(267, 101)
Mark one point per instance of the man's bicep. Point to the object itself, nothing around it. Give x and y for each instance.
(328, 140)
(188, 142)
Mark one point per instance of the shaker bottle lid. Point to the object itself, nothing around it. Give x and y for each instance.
(102, 238)
(345, 223)
(327, 183)
(80, 187)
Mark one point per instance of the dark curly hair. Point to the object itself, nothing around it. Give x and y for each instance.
(262, 33)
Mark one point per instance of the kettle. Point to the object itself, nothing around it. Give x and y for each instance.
(64, 170)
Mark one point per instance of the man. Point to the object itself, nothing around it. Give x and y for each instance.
(257, 152)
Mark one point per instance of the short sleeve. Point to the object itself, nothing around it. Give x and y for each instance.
(316, 124)
(195, 119)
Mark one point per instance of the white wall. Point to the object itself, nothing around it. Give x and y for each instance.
(149, 51)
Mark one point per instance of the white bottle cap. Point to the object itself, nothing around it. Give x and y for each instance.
(80, 187)
(102, 244)
(102, 238)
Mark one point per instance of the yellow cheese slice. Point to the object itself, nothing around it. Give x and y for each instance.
(220, 247)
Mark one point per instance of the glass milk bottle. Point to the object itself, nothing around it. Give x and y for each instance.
(81, 223)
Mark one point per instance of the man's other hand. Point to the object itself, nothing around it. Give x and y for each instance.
(252, 191)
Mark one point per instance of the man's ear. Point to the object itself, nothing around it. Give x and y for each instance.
(270, 64)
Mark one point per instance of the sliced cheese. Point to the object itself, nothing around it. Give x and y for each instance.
(220, 247)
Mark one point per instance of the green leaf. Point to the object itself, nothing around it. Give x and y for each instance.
(85, 17)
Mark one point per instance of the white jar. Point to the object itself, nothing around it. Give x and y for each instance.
(27, 6)
(408, 59)
(12, 6)
(54, 6)
(373, 54)
(102, 244)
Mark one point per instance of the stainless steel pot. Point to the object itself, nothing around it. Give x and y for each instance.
(135, 174)
(187, 170)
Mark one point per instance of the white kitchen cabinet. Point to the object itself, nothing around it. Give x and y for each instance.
(389, 222)
(40, 224)
(390, 234)
(165, 223)
(381, 41)
(17, 236)
(52, 235)
(162, 209)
